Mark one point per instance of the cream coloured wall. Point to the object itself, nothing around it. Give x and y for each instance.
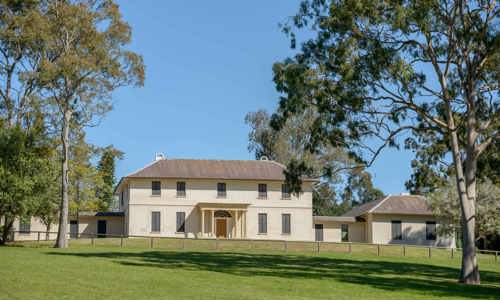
(141, 204)
(357, 232)
(413, 230)
(88, 225)
(36, 225)
(331, 231)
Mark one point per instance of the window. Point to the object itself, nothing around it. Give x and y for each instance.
(25, 224)
(121, 200)
(396, 230)
(155, 221)
(344, 232)
(262, 190)
(155, 188)
(181, 189)
(285, 224)
(430, 231)
(285, 191)
(221, 190)
(318, 229)
(262, 223)
(181, 220)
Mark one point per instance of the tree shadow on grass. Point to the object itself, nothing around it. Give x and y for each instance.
(421, 278)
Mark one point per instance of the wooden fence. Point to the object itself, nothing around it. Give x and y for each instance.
(41, 238)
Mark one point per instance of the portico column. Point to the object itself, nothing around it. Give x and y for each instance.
(213, 222)
(241, 224)
(245, 224)
(202, 223)
(235, 223)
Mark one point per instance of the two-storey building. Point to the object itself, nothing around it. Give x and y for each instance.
(215, 198)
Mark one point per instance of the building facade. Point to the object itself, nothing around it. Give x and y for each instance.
(214, 198)
(243, 199)
(395, 219)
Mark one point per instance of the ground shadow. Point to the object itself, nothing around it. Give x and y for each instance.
(421, 278)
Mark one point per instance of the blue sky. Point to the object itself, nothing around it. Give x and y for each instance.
(208, 63)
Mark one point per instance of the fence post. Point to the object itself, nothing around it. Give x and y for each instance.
(350, 248)
(183, 244)
(38, 239)
(452, 253)
(216, 244)
(317, 247)
(496, 256)
(121, 241)
(404, 250)
(285, 246)
(378, 249)
(430, 252)
(92, 240)
(151, 243)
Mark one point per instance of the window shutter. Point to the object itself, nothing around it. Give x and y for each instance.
(181, 217)
(262, 223)
(155, 221)
(285, 223)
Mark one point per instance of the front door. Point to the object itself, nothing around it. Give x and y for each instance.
(73, 229)
(101, 228)
(318, 228)
(221, 228)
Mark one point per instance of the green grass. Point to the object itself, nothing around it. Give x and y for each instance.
(105, 272)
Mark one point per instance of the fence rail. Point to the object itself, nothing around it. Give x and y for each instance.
(179, 243)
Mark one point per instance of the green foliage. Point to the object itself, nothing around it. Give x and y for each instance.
(24, 165)
(106, 172)
(377, 70)
(84, 57)
(369, 71)
(444, 203)
(359, 189)
(289, 146)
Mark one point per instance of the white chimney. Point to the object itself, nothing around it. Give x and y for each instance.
(159, 156)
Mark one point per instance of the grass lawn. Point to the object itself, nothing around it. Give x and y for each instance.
(114, 273)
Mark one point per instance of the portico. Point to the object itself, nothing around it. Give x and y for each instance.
(223, 220)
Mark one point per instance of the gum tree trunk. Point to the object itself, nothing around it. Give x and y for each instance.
(62, 233)
(466, 187)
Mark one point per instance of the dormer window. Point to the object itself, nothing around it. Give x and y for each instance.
(221, 190)
(262, 191)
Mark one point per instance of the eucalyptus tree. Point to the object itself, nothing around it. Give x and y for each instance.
(379, 70)
(20, 26)
(84, 59)
(106, 173)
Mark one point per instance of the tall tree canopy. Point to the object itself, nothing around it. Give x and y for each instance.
(378, 69)
(106, 171)
(289, 145)
(83, 60)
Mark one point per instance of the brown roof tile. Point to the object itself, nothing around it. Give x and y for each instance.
(397, 204)
(212, 169)
(362, 209)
